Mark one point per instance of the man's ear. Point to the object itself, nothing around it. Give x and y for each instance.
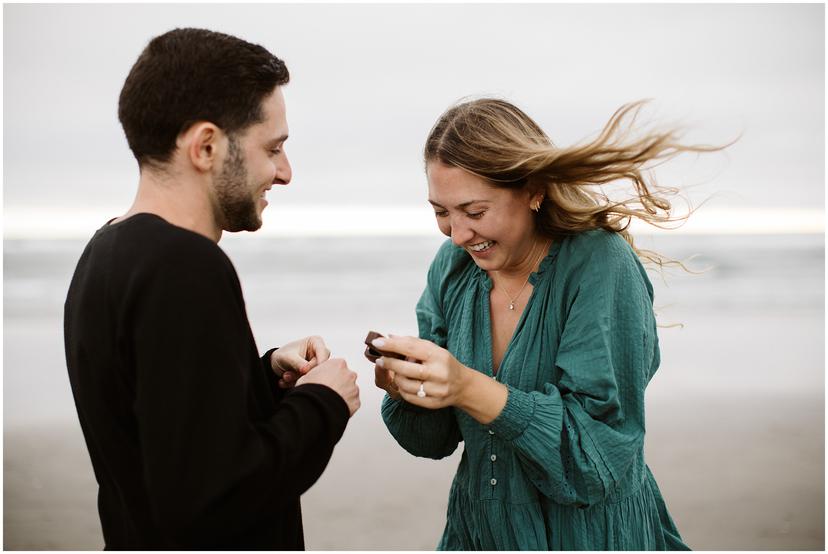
(201, 144)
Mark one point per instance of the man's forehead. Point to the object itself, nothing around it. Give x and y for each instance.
(273, 126)
(274, 103)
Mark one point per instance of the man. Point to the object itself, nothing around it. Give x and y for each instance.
(195, 440)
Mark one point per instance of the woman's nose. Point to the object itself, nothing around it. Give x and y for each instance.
(460, 234)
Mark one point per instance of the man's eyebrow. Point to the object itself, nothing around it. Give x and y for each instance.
(278, 140)
(459, 206)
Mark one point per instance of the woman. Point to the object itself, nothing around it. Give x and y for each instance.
(537, 336)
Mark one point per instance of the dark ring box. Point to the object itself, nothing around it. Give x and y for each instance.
(372, 353)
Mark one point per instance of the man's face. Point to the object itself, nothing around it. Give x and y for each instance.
(255, 161)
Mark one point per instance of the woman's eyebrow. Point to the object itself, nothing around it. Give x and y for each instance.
(459, 206)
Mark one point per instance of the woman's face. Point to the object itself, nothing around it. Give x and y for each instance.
(494, 225)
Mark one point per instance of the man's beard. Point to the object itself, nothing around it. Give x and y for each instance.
(236, 205)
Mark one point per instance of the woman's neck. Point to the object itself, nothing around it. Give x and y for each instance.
(520, 272)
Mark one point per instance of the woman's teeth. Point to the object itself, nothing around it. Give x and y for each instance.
(481, 246)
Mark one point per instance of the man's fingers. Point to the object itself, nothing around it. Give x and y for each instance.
(309, 365)
(317, 349)
(291, 362)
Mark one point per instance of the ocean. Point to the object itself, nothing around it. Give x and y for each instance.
(735, 414)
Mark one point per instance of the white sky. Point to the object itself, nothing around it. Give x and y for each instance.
(368, 81)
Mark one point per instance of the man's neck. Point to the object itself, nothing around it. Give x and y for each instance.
(181, 201)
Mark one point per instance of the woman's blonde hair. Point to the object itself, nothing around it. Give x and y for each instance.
(498, 142)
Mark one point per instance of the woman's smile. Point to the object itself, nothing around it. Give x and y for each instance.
(481, 248)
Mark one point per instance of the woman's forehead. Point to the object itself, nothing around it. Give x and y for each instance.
(459, 188)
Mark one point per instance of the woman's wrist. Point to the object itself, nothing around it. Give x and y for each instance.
(480, 396)
(463, 385)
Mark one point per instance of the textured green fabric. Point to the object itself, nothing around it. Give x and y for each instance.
(562, 467)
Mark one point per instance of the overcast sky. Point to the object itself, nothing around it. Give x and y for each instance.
(368, 81)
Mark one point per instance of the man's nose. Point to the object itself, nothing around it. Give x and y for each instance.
(283, 172)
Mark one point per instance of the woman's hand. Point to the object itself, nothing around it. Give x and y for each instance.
(384, 379)
(296, 358)
(443, 378)
(432, 378)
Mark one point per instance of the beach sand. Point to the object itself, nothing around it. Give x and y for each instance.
(735, 475)
(735, 416)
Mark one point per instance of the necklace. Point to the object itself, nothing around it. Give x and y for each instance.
(526, 282)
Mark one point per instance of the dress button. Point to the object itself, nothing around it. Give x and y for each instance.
(493, 482)
(491, 432)
(493, 457)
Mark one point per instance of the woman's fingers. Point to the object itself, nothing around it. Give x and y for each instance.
(382, 377)
(412, 387)
(406, 385)
(412, 370)
(407, 346)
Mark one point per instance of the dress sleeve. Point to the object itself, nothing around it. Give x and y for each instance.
(423, 432)
(577, 440)
(210, 465)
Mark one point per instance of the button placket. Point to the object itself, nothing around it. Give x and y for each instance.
(492, 458)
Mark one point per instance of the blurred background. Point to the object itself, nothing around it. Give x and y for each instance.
(736, 413)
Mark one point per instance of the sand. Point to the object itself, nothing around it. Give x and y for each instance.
(735, 476)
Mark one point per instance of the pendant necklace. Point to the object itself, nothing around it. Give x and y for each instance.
(506, 292)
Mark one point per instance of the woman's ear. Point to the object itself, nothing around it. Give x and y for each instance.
(535, 201)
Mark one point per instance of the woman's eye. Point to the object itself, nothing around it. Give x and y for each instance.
(441, 214)
(276, 151)
(476, 215)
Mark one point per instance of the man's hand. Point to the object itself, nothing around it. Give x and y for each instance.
(296, 358)
(335, 374)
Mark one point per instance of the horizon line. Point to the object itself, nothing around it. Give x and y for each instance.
(303, 220)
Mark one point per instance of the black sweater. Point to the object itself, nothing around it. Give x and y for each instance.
(192, 443)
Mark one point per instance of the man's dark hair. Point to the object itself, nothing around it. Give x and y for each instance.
(190, 75)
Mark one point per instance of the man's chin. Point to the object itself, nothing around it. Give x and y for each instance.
(251, 224)
(249, 228)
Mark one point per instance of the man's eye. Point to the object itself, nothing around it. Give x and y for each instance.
(441, 214)
(276, 151)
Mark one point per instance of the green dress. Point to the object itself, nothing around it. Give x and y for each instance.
(562, 466)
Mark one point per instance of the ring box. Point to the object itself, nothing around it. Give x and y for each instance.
(372, 352)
